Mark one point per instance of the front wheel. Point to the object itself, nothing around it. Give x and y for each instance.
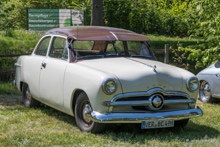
(82, 112)
(28, 100)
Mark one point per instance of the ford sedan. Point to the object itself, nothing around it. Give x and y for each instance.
(104, 75)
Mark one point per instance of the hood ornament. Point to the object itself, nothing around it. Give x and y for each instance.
(155, 68)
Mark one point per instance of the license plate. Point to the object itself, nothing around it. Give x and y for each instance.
(157, 124)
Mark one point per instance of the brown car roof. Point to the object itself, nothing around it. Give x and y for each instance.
(90, 33)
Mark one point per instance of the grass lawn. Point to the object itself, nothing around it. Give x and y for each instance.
(45, 126)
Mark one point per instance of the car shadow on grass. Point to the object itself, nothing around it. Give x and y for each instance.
(57, 114)
(134, 134)
(10, 100)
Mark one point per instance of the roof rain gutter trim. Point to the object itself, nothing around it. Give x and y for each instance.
(114, 35)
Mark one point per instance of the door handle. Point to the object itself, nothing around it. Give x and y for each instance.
(44, 65)
(217, 75)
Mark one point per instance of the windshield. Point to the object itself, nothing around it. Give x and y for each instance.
(93, 49)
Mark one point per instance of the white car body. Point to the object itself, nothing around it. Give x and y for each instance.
(209, 79)
(60, 82)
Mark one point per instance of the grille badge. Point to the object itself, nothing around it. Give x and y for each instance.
(156, 102)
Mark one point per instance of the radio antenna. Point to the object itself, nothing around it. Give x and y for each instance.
(77, 39)
(77, 32)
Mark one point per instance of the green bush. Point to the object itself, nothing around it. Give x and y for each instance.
(171, 19)
(9, 32)
(206, 28)
(16, 42)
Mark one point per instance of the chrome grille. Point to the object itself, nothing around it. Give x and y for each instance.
(143, 100)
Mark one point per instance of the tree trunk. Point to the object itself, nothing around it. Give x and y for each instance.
(97, 13)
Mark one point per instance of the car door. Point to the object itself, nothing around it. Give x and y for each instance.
(53, 71)
(34, 65)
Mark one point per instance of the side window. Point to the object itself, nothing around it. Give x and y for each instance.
(43, 46)
(139, 47)
(59, 48)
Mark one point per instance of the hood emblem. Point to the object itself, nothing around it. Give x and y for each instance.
(156, 102)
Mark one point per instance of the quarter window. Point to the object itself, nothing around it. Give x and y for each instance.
(139, 47)
(43, 46)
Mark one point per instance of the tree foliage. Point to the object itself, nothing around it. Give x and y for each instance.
(4, 9)
(163, 17)
(206, 28)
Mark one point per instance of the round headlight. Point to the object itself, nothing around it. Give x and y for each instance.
(192, 84)
(109, 86)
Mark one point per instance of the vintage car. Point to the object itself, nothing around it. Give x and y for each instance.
(105, 75)
(209, 79)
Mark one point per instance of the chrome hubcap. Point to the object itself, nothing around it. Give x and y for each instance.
(28, 94)
(205, 91)
(87, 113)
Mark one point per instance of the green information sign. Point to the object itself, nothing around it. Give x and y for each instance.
(46, 19)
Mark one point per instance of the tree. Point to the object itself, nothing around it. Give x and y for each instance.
(97, 13)
(5, 9)
(206, 29)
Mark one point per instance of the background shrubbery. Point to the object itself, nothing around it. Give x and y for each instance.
(195, 18)
(150, 17)
(161, 17)
(17, 41)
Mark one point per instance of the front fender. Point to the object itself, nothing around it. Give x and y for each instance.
(90, 81)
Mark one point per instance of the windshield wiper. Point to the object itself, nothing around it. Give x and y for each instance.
(137, 56)
(91, 56)
(141, 56)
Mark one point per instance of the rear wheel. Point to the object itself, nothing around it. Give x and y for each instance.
(205, 93)
(28, 100)
(82, 112)
(181, 123)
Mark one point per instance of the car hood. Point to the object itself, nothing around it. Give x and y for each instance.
(136, 74)
(211, 70)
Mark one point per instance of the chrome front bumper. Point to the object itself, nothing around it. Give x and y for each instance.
(139, 117)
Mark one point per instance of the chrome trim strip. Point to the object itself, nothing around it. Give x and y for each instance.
(216, 95)
(139, 117)
(146, 103)
(114, 35)
(170, 102)
(17, 64)
(148, 93)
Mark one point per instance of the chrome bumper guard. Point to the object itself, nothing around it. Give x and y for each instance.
(14, 83)
(139, 117)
